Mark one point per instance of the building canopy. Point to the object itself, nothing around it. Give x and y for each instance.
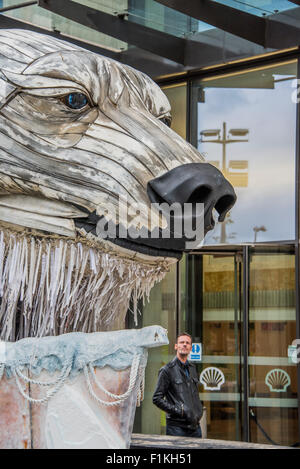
(163, 37)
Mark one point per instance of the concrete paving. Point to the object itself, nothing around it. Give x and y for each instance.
(139, 441)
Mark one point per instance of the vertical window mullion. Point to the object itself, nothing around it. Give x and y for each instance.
(297, 234)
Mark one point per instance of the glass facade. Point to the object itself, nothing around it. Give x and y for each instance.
(237, 294)
(246, 126)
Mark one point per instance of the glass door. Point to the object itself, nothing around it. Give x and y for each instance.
(272, 362)
(212, 314)
(240, 306)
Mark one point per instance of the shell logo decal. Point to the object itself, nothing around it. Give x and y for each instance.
(212, 378)
(277, 380)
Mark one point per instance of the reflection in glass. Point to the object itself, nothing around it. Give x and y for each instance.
(261, 8)
(246, 128)
(156, 16)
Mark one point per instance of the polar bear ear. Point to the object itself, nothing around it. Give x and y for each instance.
(116, 84)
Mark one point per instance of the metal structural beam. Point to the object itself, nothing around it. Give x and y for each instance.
(182, 51)
(274, 31)
(148, 63)
(151, 40)
(207, 49)
(12, 23)
(229, 19)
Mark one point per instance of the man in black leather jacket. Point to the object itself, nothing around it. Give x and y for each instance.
(177, 392)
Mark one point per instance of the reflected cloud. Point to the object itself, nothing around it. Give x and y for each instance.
(269, 198)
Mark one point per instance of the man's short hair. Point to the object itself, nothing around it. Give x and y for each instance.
(184, 333)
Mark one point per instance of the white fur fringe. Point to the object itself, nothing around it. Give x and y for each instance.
(53, 286)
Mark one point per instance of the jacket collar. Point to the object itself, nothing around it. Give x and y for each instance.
(182, 365)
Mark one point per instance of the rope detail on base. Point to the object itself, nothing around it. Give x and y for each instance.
(141, 391)
(119, 398)
(42, 383)
(137, 375)
(50, 393)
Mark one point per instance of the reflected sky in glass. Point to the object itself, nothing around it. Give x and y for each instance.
(260, 7)
(269, 199)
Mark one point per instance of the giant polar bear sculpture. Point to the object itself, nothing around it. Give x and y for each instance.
(78, 133)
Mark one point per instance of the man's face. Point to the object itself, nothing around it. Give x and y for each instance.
(184, 345)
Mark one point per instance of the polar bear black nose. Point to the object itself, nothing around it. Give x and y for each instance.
(192, 183)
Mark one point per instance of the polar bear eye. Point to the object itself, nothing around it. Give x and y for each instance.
(166, 120)
(75, 100)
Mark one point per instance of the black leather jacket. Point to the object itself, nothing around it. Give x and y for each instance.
(178, 395)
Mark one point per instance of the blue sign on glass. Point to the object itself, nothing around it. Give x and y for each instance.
(196, 353)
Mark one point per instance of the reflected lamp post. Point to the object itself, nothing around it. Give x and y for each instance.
(256, 229)
(224, 137)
